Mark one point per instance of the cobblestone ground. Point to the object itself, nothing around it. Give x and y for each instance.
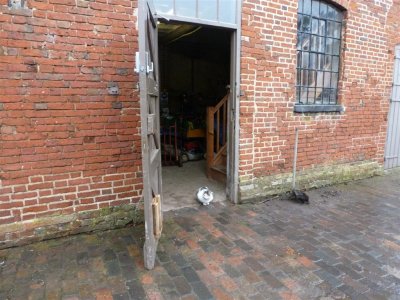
(344, 245)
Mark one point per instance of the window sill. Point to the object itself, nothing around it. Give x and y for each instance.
(301, 108)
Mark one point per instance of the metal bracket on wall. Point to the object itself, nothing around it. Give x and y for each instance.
(113, 88)
(137, 63)
(16, 4)
(139, 68)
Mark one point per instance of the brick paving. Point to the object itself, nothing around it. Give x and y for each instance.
(344, 245)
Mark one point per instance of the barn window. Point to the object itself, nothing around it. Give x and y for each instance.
(319, 34)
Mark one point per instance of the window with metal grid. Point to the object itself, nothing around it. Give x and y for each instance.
(319, 34)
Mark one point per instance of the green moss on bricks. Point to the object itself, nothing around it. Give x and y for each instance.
(105, 211)
(308, 179)
(21, 233)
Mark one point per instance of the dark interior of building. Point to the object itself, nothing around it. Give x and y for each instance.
(194, 71)
(194, 74)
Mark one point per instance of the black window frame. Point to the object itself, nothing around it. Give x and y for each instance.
(319, 42)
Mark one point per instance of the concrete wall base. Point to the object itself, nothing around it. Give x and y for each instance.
(308, 179)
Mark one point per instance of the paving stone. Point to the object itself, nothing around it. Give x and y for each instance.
(349, 272)
(69, 297)
(190, 274)
(211, 239)
(344, 248)
(223, 250)
(179, 259)
(172, 295)
(189, 297)
(196, 264)
(121, 296)
(82, 258)
(243, 245)
(163, 256)
(222, 220)
(136, 290)
(325, 257)
(172, 269)
(253, 264)
(231, 271)
(179, 243)
(182, 286)
(128, 240)
(206, 246)
(329, 278)
(371, 259)
(201, 290)
(227, 242)
(113, 268)
(360, 246)
(109, 255)
(332, 270)
(164, 282)
(128, 272)
(271, 280)
(125, 259)
(251, 276)
(349, 291)
(69, 286)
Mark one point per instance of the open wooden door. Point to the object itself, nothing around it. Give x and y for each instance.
(147, 67)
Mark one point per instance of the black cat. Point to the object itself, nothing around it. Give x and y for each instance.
(300, 197)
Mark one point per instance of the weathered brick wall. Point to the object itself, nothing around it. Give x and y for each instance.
(268, 67)
(70, 153)
(66, 145)
(393, 29)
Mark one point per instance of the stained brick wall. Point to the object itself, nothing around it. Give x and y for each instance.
(393, 30)
(268, 67)
(66, 145)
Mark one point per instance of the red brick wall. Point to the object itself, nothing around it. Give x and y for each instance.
(66, 145)
(268, 67)
(393, 27)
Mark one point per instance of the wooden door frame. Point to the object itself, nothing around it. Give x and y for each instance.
(232, 184)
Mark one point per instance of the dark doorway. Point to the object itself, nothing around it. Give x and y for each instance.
(194, 77)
